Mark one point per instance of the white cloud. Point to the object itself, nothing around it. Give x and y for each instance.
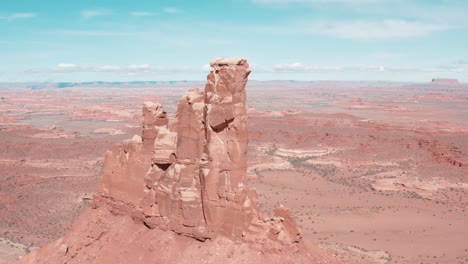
(454, 68)
(346, 29)
(16, 16)
(139, 67)
(66, 66)
(461, 61)
(206, 67)
(70, 67)
(173, 38)
(101, 33)
(365, 30)
(90, 13)
(292, 70)
(21, 15)
(128, 69)
(141, 14)
(171, 10)
(297, 67)
(110, 68)
(385, 55)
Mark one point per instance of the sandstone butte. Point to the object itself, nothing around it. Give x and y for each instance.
(179, 194)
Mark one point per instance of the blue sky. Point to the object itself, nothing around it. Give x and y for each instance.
(115, 40)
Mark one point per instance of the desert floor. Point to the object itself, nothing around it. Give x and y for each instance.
(374, 172)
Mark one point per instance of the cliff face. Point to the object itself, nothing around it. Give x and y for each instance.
(187, 176)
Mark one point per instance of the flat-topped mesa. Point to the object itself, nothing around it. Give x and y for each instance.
(190, 176)
(445, 81)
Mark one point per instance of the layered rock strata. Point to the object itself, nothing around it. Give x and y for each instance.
(189, 175)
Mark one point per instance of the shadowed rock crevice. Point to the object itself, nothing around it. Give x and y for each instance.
(163, 166)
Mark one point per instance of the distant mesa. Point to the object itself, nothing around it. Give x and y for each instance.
(445, 81)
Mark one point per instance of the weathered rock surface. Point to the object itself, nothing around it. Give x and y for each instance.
(186, 176)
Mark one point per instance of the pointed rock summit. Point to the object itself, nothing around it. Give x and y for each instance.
(187, 175)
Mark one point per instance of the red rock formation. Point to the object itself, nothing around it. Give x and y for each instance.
(224, 162)
(188, 176)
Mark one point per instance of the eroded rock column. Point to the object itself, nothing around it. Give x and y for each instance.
(178, 191)
(189, 175)
(224, 160)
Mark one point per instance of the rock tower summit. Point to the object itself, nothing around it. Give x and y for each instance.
(189, 175)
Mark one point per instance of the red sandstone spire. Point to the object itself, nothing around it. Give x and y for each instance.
(193, 178)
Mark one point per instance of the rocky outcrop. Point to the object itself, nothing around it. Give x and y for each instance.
(101, 237)
(189, 176)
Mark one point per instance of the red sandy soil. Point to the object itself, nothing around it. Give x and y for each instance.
(376, 173)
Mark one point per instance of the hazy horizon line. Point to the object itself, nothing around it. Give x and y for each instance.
(250, 80)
